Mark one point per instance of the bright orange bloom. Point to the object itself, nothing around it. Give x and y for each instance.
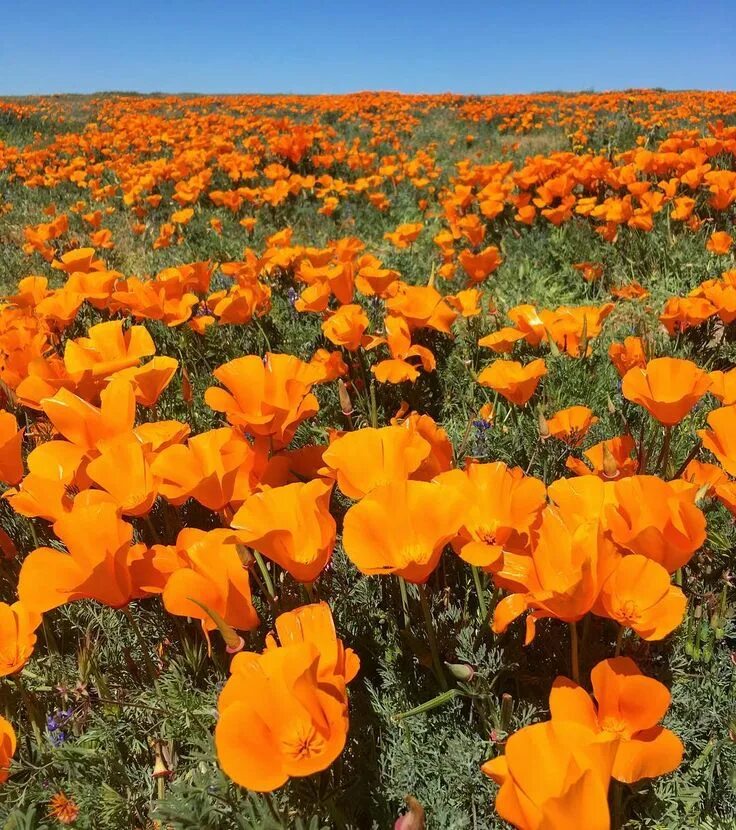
(610, 459)
(402, 528)
(656, 519)
(292, 697)
(627, 355)
(562, 578)
(17, 636)
(502, 507)
(421, 306)
(629, 707)
(515, 382)
(291, 525)
(150, 380)
(681, 313)
(719, 242)
(11, 441)
(346, 326)
(107, 349)
(723, 386)
(215, 468)
(667, 387)
(368, 458)
(502, 341)
(571, 425)
(123, 470)
(638, 595)
(720, 437)
(553, 776)
(213, 579)
(481, 265)
(95, 567)
(7, 748)
(268, 397)
(65, 810)
(703, 476)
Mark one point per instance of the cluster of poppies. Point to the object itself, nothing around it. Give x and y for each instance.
(85, 456)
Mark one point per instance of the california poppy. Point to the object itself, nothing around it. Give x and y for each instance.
(571, 425)
(268, 397)
(554, 775)
(11, 440)
(402, 528)
(17, 636)
(656, 519)
(629, 707)
(291, 525)
(515, 382)
(294, 701)
(638, 595)
(367, 458)
(720, 437)
(667, 387)
(7, 748)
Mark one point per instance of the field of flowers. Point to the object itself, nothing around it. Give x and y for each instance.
(368, 461)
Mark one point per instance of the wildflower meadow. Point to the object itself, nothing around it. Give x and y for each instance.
(368, 461)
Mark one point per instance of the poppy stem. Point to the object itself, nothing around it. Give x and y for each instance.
(574, 656)
(150, 667)
(263, 568)
(480, 591)
(34, 536)
(664, 455)
(619, 640)
(617, 795)
(404, 601)
(441, 679)
(690, 456)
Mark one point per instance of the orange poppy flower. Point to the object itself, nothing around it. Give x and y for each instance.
(719, 242)
(17, 636)
(561, 578)
(215, 468)
(667, 387)
(627, 355)
(515, 382)
(610, 459)
(723, 386)
(291, 525)
(150, 380)
(720, 437)
(402, 528)
(123, 470)
(7, 748)
(629, 707)
(704, 476)
(368, 458)
(656, 519)
(481, 265)
(638, 595)
(268, 397)
(502, 507)
(98, 544)
(554, 775)
(213, 579)
(681, 313)
(571, 425)
(106, 350)
(502, 341)
(11, 442)
(346, 326)
(293, 698)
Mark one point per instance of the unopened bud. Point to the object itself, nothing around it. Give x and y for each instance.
(414, 819)
(610, 465)
(542, 424)
(346, 404)
(160, 769)
(461, 671)
(233, 640)
(507, 711)
(611, 406)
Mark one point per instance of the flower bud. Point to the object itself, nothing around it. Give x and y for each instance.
(461, 671)
(414, 819)
(346, 404)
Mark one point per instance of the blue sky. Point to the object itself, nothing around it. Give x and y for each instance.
(310, 47)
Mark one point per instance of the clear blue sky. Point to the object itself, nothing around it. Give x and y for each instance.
(326, 46)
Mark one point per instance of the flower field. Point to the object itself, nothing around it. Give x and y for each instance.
(368, 461)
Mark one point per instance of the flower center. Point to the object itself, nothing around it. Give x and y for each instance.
(304, 742)
(629, 611)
